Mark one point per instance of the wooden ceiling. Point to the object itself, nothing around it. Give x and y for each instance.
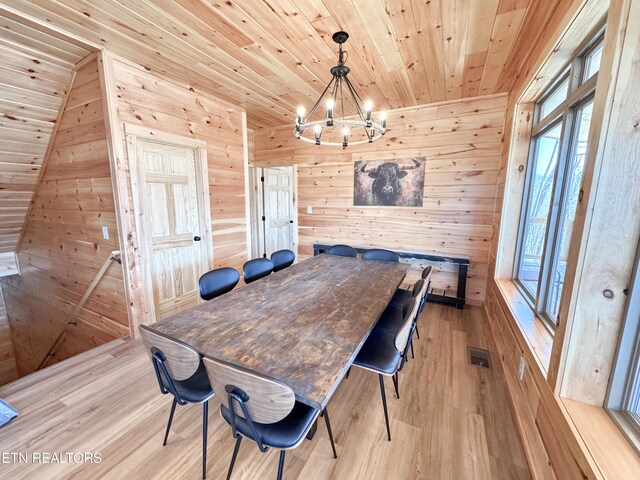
(35, 70)
(270, 56)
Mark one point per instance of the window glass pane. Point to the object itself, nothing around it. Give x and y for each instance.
(537, 211)
(592, 63)
(558, 96)
(573, 180)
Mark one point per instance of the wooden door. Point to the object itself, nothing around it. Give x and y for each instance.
(174, 224)
(278, 208)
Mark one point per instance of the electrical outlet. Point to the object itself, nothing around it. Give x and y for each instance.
(309, 209)
(105, 232)
(521, 368)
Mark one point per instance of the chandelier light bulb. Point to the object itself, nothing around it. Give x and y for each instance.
(330, 105)
(383, 119)
(368, 106)
(317, 131)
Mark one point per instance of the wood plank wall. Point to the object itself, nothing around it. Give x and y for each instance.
(553, 447)
(461, 141)
(63, 248)
(150, 100)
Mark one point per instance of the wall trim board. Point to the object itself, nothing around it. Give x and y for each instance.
(247, 182)
(140, 312)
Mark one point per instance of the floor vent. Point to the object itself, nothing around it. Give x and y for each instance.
(479, 357)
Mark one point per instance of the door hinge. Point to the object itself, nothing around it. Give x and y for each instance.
(264, 219)
(262, 179)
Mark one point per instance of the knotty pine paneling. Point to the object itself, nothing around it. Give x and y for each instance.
(461, 141)
(63, 248)
(270, 57)
(149, 100)
(36, 67)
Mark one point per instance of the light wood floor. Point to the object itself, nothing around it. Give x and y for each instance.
(453, 420)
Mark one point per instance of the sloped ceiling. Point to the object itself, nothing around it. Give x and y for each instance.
(270, 56)
(35, 70)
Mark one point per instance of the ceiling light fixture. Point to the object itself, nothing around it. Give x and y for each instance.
(338, 92)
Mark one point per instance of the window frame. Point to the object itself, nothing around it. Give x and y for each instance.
(579, 93)
(626, 365)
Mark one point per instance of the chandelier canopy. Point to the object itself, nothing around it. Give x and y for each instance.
(339, 93)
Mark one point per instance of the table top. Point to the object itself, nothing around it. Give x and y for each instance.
(302, 325)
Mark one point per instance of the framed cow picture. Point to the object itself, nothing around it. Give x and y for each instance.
(389, 183)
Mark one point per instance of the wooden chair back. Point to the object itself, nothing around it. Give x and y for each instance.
(402, 337)
(269, 401)
(182, 360)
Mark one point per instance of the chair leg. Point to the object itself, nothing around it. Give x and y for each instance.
(326, 420)
(396, 384)
(412, 355)
(281, 464)
(173, 410)
(234, 456)
(348, 372)
(417, 332)
(205, 421)
(384, 405)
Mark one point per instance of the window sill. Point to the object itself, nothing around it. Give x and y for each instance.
(533, 328)
(613, 455)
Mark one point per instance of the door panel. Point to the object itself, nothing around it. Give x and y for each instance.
(173, 220)
(278, 193)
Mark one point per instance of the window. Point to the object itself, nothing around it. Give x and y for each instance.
(554, 176)
(623, 401)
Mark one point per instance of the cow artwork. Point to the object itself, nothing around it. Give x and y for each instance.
(389, 183)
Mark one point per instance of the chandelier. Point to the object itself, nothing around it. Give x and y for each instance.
(338, 92)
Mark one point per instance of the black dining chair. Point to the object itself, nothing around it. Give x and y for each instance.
(403, 295)
(282, 259)
(385, 354)
(342, 251)
(180, 372)
(256, 269)
(263, 410)
(218, 282)
(381, 254)
(392, 318)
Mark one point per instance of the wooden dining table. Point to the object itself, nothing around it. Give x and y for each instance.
(302, 326)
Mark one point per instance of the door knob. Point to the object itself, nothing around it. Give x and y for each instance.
(196, 238)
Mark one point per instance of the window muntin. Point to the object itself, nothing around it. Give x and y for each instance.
(554, 177)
